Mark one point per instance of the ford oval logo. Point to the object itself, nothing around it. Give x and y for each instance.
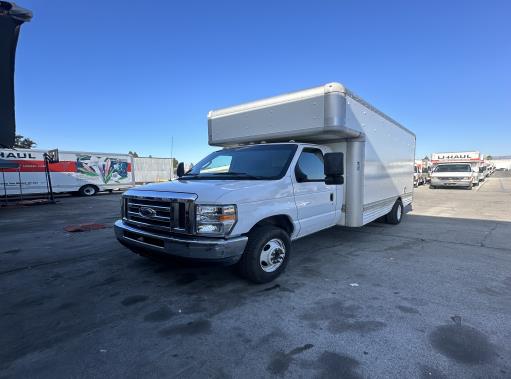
(147, 212)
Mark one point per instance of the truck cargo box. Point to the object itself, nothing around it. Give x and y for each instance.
(380, 152)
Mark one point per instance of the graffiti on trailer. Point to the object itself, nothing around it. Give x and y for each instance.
(107, 169)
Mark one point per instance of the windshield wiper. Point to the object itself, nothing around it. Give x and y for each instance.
(243, 174)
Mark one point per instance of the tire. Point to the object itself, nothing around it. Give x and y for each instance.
(395, 215)
(265, 242)
(469, 187)
(88, 190)
(431, 186)
(475, 184)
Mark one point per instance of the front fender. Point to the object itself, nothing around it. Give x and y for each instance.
(251, 213)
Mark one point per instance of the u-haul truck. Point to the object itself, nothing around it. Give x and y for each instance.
(461, 169)
(83, 172)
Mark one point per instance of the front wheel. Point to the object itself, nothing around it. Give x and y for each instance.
(396, 213)
(266, 254)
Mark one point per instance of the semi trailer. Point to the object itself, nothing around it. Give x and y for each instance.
(289, 166)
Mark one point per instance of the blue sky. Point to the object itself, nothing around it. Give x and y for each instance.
(123, 75)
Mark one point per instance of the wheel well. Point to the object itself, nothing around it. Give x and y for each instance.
(281, 221)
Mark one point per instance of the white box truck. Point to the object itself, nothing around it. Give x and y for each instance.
(291, 165)
(461, 169)
(82, 172)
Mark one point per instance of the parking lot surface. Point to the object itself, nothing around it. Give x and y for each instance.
(429, 298)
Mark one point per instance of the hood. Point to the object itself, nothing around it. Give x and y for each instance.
(451, 174)
(222, 191)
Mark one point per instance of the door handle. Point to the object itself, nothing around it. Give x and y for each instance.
(332, 196)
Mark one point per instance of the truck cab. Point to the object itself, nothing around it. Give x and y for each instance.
(453, 175)
(483, 173)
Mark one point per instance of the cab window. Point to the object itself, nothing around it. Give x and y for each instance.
(310, 167)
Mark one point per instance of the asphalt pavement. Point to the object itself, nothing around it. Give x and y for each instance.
(429, 298)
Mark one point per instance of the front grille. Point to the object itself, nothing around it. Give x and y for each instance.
(167, 215)
(452, 178)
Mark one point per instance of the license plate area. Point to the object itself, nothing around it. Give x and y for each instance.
(144, 239)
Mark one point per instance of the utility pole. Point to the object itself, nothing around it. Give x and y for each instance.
(172, 158)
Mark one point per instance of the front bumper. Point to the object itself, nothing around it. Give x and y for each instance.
(439, 182)
(196, 248)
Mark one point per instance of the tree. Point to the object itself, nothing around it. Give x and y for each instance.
(426, 158)
(24, 142)
(489, 157)
(133, 154)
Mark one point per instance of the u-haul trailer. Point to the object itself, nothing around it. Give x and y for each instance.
(77, 171)
(291, 165)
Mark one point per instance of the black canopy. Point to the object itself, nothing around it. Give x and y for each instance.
(11, 18)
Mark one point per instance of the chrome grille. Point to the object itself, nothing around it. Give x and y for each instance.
(168, 215)
(451, 178)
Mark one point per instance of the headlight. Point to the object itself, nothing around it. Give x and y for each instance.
(215, 220)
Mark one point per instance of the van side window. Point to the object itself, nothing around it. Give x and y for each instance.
(310, 167)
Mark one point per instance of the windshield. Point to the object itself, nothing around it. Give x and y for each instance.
(258, 162)
(453, 168)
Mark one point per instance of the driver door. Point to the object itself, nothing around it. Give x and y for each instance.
(315, 200)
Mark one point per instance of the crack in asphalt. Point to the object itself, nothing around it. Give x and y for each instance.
(436, 240)
(488, 234)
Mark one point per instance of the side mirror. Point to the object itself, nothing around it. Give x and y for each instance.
(334, 168)
(334, 164)
(180, 169)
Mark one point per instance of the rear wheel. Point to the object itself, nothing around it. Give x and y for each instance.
(266, 254)
(396, 213)
(88, 190)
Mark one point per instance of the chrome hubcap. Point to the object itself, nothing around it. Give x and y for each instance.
(399, 212)
(272, 255)
(88, 191)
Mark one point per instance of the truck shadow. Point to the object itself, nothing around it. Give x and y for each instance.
(346, 243)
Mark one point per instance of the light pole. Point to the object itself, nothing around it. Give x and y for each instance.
(172, 158)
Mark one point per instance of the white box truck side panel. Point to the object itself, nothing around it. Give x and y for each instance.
(75, 169)
(389, 159)
(152, 170)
